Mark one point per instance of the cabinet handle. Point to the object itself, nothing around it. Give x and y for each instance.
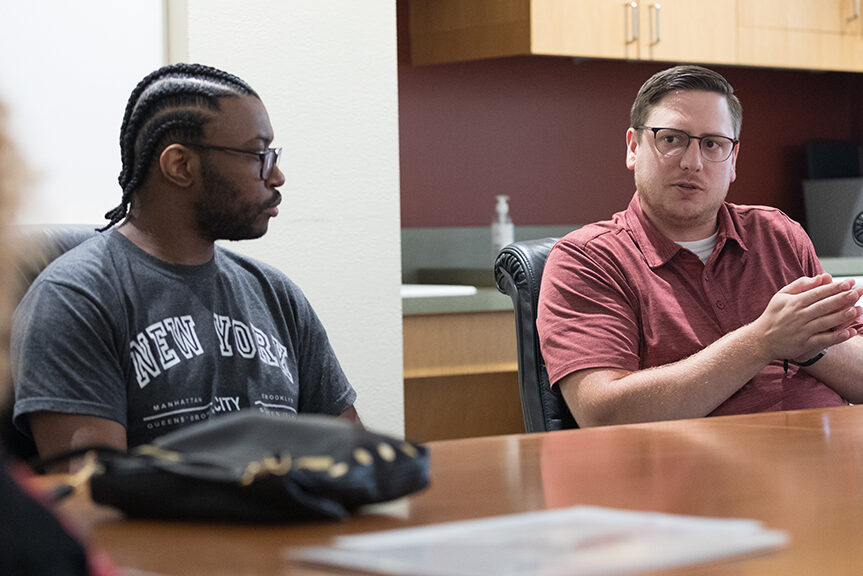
(632, 8)
(658, 22)
(856, 14)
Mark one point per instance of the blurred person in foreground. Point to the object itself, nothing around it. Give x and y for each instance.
(32, 540)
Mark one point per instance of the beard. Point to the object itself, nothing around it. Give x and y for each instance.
(675, 216)
(222, 216)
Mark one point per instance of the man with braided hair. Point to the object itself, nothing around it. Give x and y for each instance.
(150, 326)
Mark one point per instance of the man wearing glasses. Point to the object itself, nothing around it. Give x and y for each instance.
(150, 326)
(684, 305)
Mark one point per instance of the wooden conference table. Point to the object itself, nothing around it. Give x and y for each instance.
(800, 471)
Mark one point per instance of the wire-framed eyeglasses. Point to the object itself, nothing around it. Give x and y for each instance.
(672, 142)
(269, 158)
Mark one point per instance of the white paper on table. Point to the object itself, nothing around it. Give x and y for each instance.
(584, 540)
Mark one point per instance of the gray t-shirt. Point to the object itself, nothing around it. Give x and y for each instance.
(108, 330)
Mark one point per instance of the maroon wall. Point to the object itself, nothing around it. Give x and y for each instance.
(549, 132)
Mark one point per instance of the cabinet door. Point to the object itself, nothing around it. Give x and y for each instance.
(703, 31)
(457, 30)
(671, 30)
(585, 28)
(823, 16)
(822, 35)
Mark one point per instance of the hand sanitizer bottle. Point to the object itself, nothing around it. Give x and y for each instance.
(502, 229)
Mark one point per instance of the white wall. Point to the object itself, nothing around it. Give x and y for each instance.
(327, 72)
(66, 70)
(326, 69)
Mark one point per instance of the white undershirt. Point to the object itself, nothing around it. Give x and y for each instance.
(701, 248)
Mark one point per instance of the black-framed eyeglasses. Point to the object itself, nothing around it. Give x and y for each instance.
(269, 158)
(672, 142)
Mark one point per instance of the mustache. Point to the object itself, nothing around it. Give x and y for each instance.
(275, 200)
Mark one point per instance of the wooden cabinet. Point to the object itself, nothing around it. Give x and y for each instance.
(460, 375)
(687, 30)
(822, 35)
(805, 34)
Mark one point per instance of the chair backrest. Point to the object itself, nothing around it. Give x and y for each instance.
(518, 273)
(38, 246)
(43, 244)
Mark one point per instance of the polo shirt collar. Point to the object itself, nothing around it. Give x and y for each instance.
(657, 248)
(729, 229)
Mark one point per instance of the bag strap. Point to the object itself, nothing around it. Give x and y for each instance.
(38, 465)
(80, 478)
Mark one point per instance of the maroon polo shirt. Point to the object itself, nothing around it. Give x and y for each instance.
(619, 294)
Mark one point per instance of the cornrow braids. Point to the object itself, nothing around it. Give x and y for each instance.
(172, 104)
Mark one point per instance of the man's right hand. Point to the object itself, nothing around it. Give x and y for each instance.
(809, 315)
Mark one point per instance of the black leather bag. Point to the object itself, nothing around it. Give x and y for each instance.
(253, 467)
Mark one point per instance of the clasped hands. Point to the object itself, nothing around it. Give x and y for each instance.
(808, 316)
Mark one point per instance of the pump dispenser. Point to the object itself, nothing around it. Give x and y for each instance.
(502, 229)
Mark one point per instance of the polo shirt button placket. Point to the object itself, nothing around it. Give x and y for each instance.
(720, 304)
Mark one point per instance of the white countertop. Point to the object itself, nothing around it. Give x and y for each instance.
(436, 290)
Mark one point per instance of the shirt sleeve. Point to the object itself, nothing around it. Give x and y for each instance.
(587, 316)
(805, 249)
(324, 388)
(64, 356)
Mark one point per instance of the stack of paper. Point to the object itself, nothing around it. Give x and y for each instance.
(582, 540)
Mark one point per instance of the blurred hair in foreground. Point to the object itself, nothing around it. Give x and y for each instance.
(11, 179)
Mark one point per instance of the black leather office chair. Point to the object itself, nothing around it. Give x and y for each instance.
(37, 247)
(40, 245)
(518, 272)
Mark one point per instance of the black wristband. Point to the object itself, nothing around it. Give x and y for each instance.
(814, 359)
(809, 362)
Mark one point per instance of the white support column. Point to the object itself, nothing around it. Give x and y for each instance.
(327, 72)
